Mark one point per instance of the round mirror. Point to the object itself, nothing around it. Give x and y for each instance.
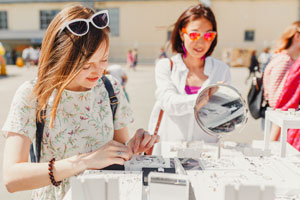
(220, 110)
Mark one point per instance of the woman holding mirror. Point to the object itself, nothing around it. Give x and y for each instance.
(181, 78)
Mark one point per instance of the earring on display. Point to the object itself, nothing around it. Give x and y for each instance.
(184, 50)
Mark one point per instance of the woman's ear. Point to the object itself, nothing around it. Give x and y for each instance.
(296, 37)
(181, 35)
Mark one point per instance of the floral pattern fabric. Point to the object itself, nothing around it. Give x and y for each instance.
(83, 123)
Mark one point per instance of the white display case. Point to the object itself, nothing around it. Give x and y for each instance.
(286, 120)
(268, 177)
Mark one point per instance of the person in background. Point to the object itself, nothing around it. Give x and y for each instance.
(163, 53)
(29, 56)
(134, 58)
(14, 56)
(180, 78)
(129, 59)
(290, 98)
(264, 58)
(254, 65)
(37, 55)
(119, 73)
(80, 132)
(276, 72)
(2, 60)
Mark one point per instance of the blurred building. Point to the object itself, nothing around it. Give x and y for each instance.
(147, 24)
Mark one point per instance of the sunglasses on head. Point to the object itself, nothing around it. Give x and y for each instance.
(80, 27)
(195, 35)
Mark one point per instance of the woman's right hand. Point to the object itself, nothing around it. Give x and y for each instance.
(111, 153)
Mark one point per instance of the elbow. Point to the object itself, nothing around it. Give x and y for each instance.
(9, 184)
(9, 187)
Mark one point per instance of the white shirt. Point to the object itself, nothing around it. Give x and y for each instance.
(178, 122)
(264, 58)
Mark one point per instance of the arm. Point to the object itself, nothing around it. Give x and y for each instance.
(167, 94)
(20, 175)
(121, 135)
(275, 132)
(124, 78)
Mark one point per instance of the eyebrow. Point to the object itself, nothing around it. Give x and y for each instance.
(199, 31)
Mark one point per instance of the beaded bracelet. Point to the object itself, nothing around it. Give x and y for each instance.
(50, 168)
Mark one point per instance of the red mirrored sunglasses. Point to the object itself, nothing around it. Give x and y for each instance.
(194, 35)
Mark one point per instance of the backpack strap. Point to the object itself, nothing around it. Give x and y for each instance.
(111, 93)
(171, 62)
(161, 113)
(35, 157)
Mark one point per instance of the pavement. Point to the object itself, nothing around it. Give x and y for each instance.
(140, 87)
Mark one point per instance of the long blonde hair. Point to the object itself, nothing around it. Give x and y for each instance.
(62, 57)
(286, 39)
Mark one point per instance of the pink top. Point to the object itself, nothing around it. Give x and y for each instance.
(275, 75)
(129, 58)
(191, 89)
(290, 98)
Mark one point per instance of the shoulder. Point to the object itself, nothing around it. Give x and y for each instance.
(23, 97)
(164, 64)
(25, 89)
(278, 62)
(216, 64)
(280, 58)
(115, 84)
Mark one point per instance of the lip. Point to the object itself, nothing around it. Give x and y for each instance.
(198, 50)
(93, 79)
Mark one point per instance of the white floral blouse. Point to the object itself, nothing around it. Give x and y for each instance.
(83, 123)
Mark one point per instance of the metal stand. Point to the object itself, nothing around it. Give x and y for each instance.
(219, 148)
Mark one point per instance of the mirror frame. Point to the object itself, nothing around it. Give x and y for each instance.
(221, 134)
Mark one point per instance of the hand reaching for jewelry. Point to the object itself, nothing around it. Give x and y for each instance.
(111, 153)
(142, 141)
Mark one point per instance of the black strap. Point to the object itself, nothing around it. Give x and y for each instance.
(40, 125)
(112, 97)
(35, 157)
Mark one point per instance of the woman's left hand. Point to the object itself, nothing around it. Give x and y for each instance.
(142, 141)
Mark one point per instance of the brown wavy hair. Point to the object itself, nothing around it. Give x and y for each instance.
(63, 57)
(191, 14)
(286, 39)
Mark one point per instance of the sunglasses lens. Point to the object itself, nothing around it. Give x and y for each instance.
(100, 20)
(79, 27)
(209, 36)
(194, 36)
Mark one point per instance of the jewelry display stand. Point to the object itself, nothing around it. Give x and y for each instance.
(106, 185)
(233, 177)
(243, 172)
(286, 120)
(249, 192)
(177, 186)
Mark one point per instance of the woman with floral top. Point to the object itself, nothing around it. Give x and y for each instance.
(79, 131)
